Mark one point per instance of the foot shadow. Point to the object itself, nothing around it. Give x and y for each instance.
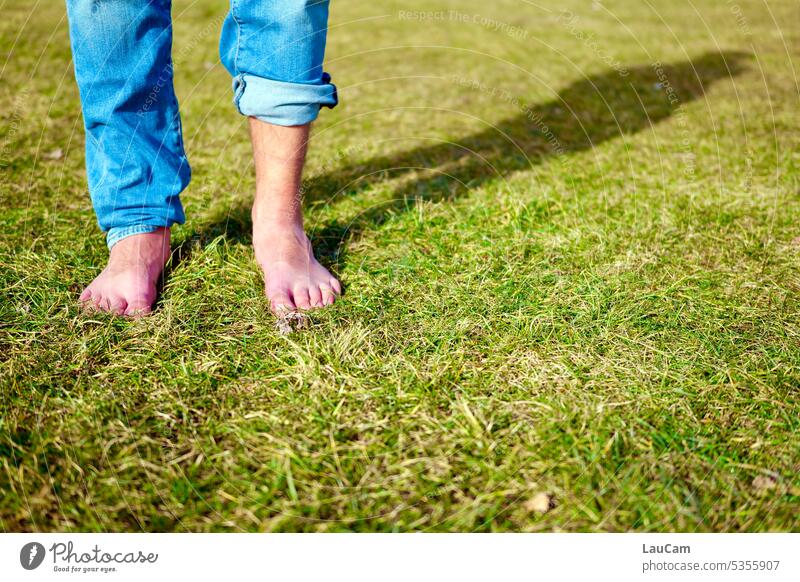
(584, 115)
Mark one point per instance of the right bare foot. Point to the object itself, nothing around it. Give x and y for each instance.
(127, 286)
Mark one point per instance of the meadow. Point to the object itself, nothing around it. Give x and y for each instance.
(568, 237)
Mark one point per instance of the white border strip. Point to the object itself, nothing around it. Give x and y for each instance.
(379, 557)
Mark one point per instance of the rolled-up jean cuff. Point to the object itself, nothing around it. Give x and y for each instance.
(282, 103)
(117, 233)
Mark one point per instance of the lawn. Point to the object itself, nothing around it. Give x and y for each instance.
(568, 235)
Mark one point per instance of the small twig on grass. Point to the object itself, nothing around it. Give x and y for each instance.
(292, 321)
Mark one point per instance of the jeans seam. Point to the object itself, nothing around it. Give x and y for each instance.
(234, 8)
(177, 127)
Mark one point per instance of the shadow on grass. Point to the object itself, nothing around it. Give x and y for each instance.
(585, 114)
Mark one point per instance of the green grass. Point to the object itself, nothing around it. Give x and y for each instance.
(561, 277)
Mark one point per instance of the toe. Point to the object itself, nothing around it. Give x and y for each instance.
(301, 298)
(88, 301)
(96, 303)
(104, 303)
(138, 308)
(117, 305)
(328, 294)
(138, 304)
(315, 296)
(281, 302)
(337, 287)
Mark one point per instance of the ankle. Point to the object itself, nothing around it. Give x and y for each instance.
(276, 217)
(150, 247)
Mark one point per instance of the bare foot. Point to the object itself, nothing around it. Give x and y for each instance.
(294, 279)
(127, 286)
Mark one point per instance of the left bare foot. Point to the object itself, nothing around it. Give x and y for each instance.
(293, 277)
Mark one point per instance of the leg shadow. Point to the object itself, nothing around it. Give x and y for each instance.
(582, 116)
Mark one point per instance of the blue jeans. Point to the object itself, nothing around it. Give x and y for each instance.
(135, 161)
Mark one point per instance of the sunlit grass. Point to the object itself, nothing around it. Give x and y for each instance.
(571, 269)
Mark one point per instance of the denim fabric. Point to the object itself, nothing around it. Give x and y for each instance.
(135, 161)
(274, 51)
